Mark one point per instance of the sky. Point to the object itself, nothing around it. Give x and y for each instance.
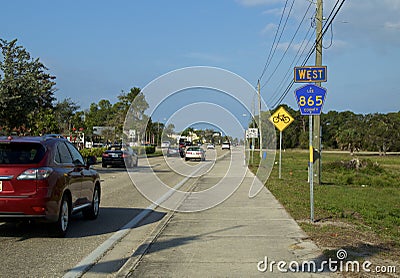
(98, 49)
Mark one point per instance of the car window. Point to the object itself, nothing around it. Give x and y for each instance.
(21, 153)
(77, 158)
(62, 155)
(115, 148)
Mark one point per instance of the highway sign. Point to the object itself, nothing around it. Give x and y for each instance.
(281, 119)
(310, 99)
(252, 133)
(310, 74)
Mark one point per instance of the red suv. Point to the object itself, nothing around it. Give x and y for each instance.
(46, 178)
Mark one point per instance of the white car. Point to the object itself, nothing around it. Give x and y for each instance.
(226, 146)
(210, 146)
(165, 144)
(195, 153)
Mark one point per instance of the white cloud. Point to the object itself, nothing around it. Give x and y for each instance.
(276, 11)
(271, 27)
(392, 25)
(257, 2)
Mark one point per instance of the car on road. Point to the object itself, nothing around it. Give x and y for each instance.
(165, 144)
(210, 146)
(119, 155)
(226, 146)
(173, 151)
(46, 179)
(195, 153)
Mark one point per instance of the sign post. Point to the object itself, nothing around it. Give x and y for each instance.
(252, 133)
(310, 99)
(281, 119)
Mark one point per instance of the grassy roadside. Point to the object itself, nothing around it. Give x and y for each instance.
(357, 208)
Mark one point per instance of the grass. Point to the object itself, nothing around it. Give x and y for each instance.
(357, 209)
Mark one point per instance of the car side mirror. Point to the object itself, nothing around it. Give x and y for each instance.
(91, 160)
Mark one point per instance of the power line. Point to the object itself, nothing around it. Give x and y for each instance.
(273, 43)
(297, 57)
(326, 27)
(287, 48)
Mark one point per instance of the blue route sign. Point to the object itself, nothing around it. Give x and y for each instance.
(310, 74)
(310, 99)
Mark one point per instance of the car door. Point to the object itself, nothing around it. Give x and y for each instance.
(71, 173)
(87, 182)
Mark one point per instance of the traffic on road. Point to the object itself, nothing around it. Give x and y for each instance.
(121, 203)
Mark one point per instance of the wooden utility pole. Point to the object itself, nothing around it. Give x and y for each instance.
(259, 119)
(317, 118)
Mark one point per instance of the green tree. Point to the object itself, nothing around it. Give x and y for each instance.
(26, 90)
(168, 132)
(384, 133)
(64, 112)
(135, 118)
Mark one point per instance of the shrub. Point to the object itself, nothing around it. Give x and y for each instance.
(97, 152)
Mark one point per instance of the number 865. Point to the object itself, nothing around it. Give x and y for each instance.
(310, 101)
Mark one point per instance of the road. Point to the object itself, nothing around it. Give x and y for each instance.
(134, 237)
(29, 250)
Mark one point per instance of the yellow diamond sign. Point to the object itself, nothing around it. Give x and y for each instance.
(281, 118)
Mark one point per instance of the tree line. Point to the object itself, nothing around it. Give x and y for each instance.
(29, 107)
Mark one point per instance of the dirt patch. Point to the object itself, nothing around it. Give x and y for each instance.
(359, 243)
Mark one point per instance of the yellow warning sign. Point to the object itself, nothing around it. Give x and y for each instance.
(281, 118)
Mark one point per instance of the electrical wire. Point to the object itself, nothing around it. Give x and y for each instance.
(288, 47)
(330, 44)
(298, 56)
(273, 43)
(311, 51)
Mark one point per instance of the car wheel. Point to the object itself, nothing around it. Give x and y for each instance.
(93, 211)
(61, 226)
(104, 165)
(186, 159)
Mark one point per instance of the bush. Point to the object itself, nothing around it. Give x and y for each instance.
(150, 149)
(142, 150)
(97, 152)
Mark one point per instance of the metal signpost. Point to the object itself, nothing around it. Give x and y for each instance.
(281, 119)
(310, 99)
(252, 133)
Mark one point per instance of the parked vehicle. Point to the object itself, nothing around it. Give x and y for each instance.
(119, 155)
(210, 146)
(195, 153)
(46, 179)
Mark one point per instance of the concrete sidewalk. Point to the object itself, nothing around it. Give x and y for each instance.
(238, 238)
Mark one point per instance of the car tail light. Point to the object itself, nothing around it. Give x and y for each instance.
(105, 154)
(124, 155)
(35, 174)
(39, 209)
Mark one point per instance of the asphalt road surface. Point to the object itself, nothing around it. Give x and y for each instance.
(29, 250)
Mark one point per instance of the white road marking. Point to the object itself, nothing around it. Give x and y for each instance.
(93, 257)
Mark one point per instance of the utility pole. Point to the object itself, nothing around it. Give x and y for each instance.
(317, 118)
(259, 117)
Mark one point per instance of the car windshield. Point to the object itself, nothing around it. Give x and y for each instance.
(194, 149)
(116, 148)
(21, 153)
